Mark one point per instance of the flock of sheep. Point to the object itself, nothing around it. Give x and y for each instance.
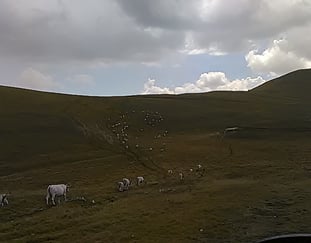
(181, 175)
(120, 128)
(125, 183)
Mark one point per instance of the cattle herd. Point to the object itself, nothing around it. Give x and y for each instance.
(59, 191)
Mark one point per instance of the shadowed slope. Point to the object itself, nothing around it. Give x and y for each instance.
(296, 84)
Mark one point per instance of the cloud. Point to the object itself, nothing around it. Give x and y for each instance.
(63, 35)
(278, 59)
(207, 82)
(88, 32)
(139, 31)
(33, 79)
(151, 88)
(164, 14)
(219, 26)
(81, 80)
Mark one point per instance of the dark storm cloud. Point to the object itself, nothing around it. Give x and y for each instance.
(169, 14)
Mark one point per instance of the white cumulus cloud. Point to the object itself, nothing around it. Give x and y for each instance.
(207, 82)
(151, 88)
(278, 59)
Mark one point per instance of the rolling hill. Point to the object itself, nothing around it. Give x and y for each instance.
(294, 85)
(255, 182)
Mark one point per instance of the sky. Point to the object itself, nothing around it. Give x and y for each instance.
(129, 47)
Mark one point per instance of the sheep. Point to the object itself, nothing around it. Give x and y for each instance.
(126, 183)
(200, 170)
(140, 180)
(121, 186)
(4, 200)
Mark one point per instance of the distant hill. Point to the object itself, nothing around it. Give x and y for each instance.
(33, 122)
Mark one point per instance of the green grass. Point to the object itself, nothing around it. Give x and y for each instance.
(256, 181)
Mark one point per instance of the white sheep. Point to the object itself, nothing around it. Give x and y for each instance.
(4, 200)
(121, 187)
(140, 180)
(126, 183)
(181, 176)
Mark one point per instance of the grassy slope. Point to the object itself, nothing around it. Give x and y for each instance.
(256, 182)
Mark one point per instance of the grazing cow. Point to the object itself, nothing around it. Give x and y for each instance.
(121, 186)
(126, 183)
(3, 200)
(59, 190)
(140, 180)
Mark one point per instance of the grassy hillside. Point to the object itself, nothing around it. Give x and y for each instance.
(292, 85)
(255, 181)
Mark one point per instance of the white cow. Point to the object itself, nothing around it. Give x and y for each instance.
(56, 190)
(170, 172)
(140, 180)
(121, 186)
(3, 200)
(126, 183)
